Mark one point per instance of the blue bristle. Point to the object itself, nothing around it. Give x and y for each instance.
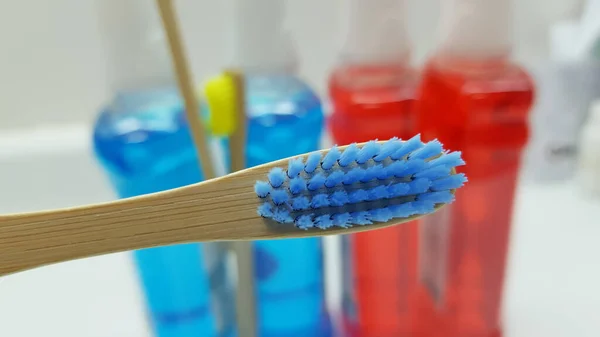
(448, 183)
(323, 221)
(368, 151)
(358, 196)
(400, 182)
(319, 200)
(361, 218)
(422, 207)
(437, 197)
(379, 192)
(276, 177)
(372, 173)
(305, 222)
(395, 169)
(402, 210)
(265, 210)
(353, 176)
(262, 188)
(331, 158)
(316, 182)
(349, 155)
(295, 166)
(300, 203)
(380, 172)
(282, 216)
(341, 220)
(420, 185)
(387, 149)
(314, 159)
(279, 197)
(410, 167)
(297, 185)
(381, 214)
(430, 149)
(399, 189)
(433, 173)
(407, 147)
(339, 198)
(451, 159)
(334, 178)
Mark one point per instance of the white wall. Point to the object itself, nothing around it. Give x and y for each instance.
(51, 63)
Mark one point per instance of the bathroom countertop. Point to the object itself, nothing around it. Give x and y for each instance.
(552, 287)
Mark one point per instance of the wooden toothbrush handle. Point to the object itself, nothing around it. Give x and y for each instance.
(190, 214)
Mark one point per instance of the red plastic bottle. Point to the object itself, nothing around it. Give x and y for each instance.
(377, 103)
(475, 100)
(373, 93)
(372, 102)
(480, 108)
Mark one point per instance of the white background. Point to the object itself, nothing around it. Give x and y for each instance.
(52, 68)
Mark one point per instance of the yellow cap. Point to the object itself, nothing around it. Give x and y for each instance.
(220, 92)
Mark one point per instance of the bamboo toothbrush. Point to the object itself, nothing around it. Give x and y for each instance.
(342, 190)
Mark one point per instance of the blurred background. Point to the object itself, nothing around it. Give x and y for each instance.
(53, 56)
(54, 82)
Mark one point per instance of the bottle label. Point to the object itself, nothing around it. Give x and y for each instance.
(434, 236)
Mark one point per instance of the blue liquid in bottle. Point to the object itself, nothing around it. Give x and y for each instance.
(285, 118)
(142, 141)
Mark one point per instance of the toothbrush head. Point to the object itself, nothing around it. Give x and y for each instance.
(361, 185)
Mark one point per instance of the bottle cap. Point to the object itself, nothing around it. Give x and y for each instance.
(376, 32)
(475, 28)
(260, 41)
(137, 51)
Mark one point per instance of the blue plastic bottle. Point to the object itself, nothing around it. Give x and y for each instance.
(142, 141)
(285, 118)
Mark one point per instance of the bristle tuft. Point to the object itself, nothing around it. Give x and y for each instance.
(295, 167)
(297, 185)
(331, 158)
(300, 203)
(262, 189)
(312, 162)
(276, 177)
(349, 155)
(407, 147)
(279, 197)
(367, 152)
(316, 182)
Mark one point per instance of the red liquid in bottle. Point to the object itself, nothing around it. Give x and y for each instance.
(372, 102)
(481, 110)
(381, 266)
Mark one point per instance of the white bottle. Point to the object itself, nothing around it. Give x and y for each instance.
(566, 87)
(137, 52)
(588, 169)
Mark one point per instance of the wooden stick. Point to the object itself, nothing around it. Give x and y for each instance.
(192, 108)
(221, 209)
(245, 299)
